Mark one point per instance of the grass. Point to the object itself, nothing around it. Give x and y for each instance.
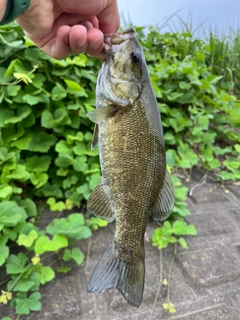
(223, 48)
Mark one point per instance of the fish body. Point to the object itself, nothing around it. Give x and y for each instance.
(135, 182)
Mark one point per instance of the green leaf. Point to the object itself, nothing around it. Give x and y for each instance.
(58, 92)
(38, 179)
(56, 206)
(237, 147)
(187, 155)
(39, 78)
(73, 227)
(13, 90)
(19, 173)
(16, 264)
(209, 138)
(27, 240)
(26, 304)
(49, 190)
(3, 240)
(182, 228)
(78, 137)
(207, 154)
(75, 88)
(6, 156)
(63, 147)
(61, 117)
(184, 85)
(38, 164)
(84, 190)
(47, 119)
(10, 233)
(46, 274)
(4, 253)
(94, 223)
(162, 239)
(221, 151)
(22, 112)
(183, 243)
(215, 163)
(76, 254)
(64, 160)
(80, 148)
(180, 209)
(33, 100)
(5, 114)
(29, 206)
(31, 53)
(94, 180)
(5, 191)
(232, 163)
(80, 163)
(22, 143)
(167, 228)
(225, 175)
(64, 269)
(44, 244)
(11, 214)
(42, 142)
(15, 65)
(22, 285)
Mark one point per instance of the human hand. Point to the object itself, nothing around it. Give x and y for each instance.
(61, 27)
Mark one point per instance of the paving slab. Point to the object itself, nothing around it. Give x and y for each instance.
(205, 282)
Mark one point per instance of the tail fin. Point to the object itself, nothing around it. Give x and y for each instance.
(113, 273)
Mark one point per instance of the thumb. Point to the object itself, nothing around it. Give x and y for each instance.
(109, 20)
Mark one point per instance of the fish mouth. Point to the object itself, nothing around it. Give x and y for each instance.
(114, 41)
(119, 37)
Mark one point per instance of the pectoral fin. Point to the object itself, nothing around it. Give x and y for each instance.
(99, 204)
(100, 114)
(95, 136)
(165, 201)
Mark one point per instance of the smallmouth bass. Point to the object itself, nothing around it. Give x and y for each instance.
(135, 182)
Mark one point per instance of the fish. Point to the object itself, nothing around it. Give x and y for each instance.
(134, 179)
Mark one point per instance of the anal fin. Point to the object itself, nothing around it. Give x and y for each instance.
(99, 204)
(165, 201)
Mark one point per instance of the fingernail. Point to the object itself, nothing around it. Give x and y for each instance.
(95, 44)
(80, 42)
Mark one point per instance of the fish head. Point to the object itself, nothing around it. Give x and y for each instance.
(124, 55)
(122, 74)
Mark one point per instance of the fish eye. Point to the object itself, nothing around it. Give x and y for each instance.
(135, 57)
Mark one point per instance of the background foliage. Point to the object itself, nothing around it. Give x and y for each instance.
(45, 138)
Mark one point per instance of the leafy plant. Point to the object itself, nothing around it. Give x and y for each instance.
(28, 272)
(167, 234)
(45, 139)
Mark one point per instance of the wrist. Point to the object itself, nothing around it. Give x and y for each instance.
(13, 9)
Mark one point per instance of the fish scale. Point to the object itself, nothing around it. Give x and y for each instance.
(140, 174)
(135, 182)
